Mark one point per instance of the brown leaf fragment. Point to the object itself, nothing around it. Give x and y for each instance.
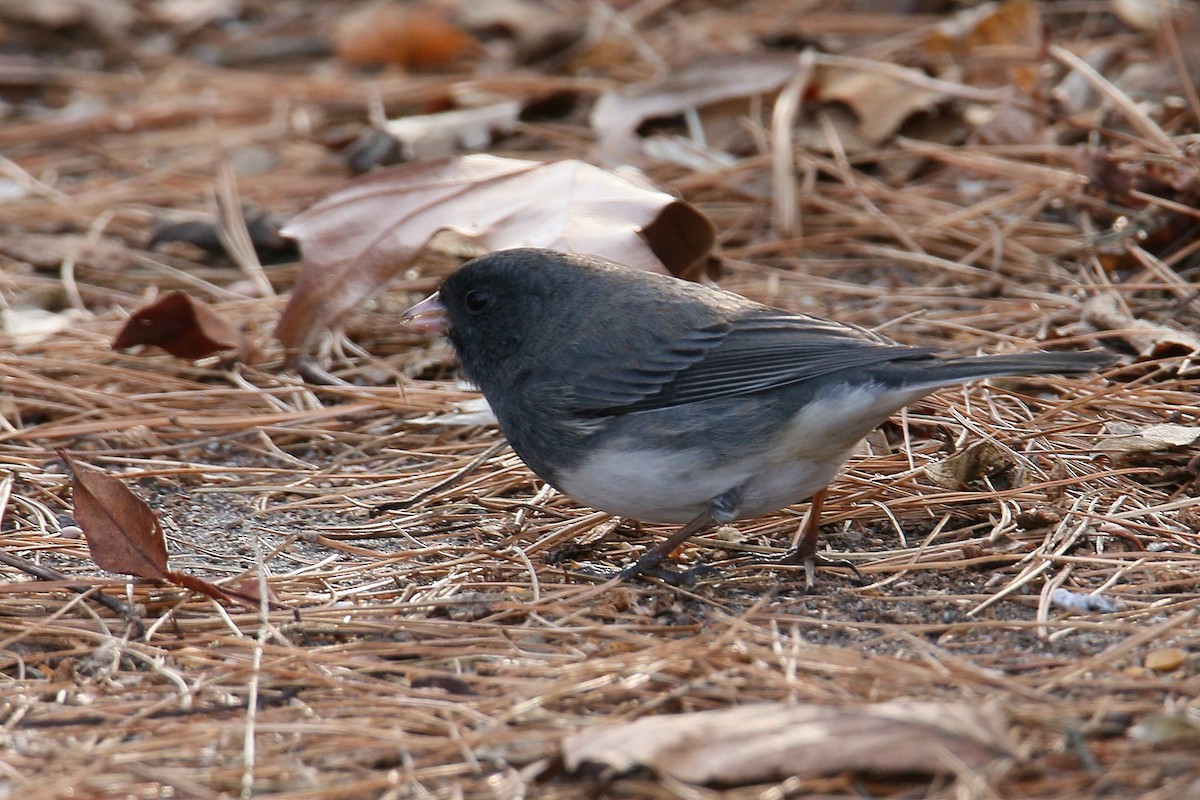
(434, 135)
(618, 113)
(413, 35)
(1124, 437)
(1166, 730)
(881, 101)
(355, 240)
(980, 460)
(1149, 339)
(996, 44)
(181, 325)
(122, 532)
(769, 741)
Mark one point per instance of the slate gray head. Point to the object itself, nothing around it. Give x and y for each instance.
(525, 303)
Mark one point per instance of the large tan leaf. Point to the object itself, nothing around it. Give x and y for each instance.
(358, 238)
(772, 741)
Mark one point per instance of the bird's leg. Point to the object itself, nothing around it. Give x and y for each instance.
(651, 560)
(806, 551)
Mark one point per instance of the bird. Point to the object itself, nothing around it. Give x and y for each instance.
(666, 401)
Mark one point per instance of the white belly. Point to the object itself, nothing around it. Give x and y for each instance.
(659, 486)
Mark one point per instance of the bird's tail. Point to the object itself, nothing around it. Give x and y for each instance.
(949, 371)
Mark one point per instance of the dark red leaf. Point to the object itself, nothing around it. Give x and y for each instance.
(181, 325)
(123, 534)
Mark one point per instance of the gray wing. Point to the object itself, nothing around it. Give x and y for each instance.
(750, 354)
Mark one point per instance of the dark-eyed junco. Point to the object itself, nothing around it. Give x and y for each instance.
(666, 401)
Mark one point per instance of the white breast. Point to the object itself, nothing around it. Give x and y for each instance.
(658, 486)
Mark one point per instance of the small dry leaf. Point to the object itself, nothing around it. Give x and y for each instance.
(1166, 730)
(1142, 15)
(769, 741)
(122, 532)
(434, 135)
(881, 101)
(111, 18)
(996, 44)
(354, 241)
(184, 327)
(269, 246)
(618, 112)
(980, 460)
(250, 589)
(28, 326)
(409, 35)
(1127, 438)
(1149, 339)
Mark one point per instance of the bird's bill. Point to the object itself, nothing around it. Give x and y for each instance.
(427, 315)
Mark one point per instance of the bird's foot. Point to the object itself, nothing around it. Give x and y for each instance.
(810, 561)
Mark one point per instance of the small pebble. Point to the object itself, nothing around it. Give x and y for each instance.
(1166, 659)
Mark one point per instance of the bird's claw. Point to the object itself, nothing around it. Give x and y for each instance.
(810, 561)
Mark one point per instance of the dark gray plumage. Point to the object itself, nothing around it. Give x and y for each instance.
(667, 401)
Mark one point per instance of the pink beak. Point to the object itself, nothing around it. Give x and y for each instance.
(427, 315)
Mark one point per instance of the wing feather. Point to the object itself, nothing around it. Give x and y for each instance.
(750, 354)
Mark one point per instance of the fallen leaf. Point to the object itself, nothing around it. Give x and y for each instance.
(980, 460)
(1166, 730)
(993, 44)
(410, 35)
(251, 589)
(354, 241)
(1141, 15)
(1075, 93)
(618, 112)
(768, 742)
(1149, 339)
(28, 326)
(880, 100)
(110, 18)
(1124, 437)
(447, 683)
(184, 327)
(122, 532)
(427, 136)
(124, 535)
(193, 14)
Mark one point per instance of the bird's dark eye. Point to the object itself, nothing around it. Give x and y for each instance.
(476, 300)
